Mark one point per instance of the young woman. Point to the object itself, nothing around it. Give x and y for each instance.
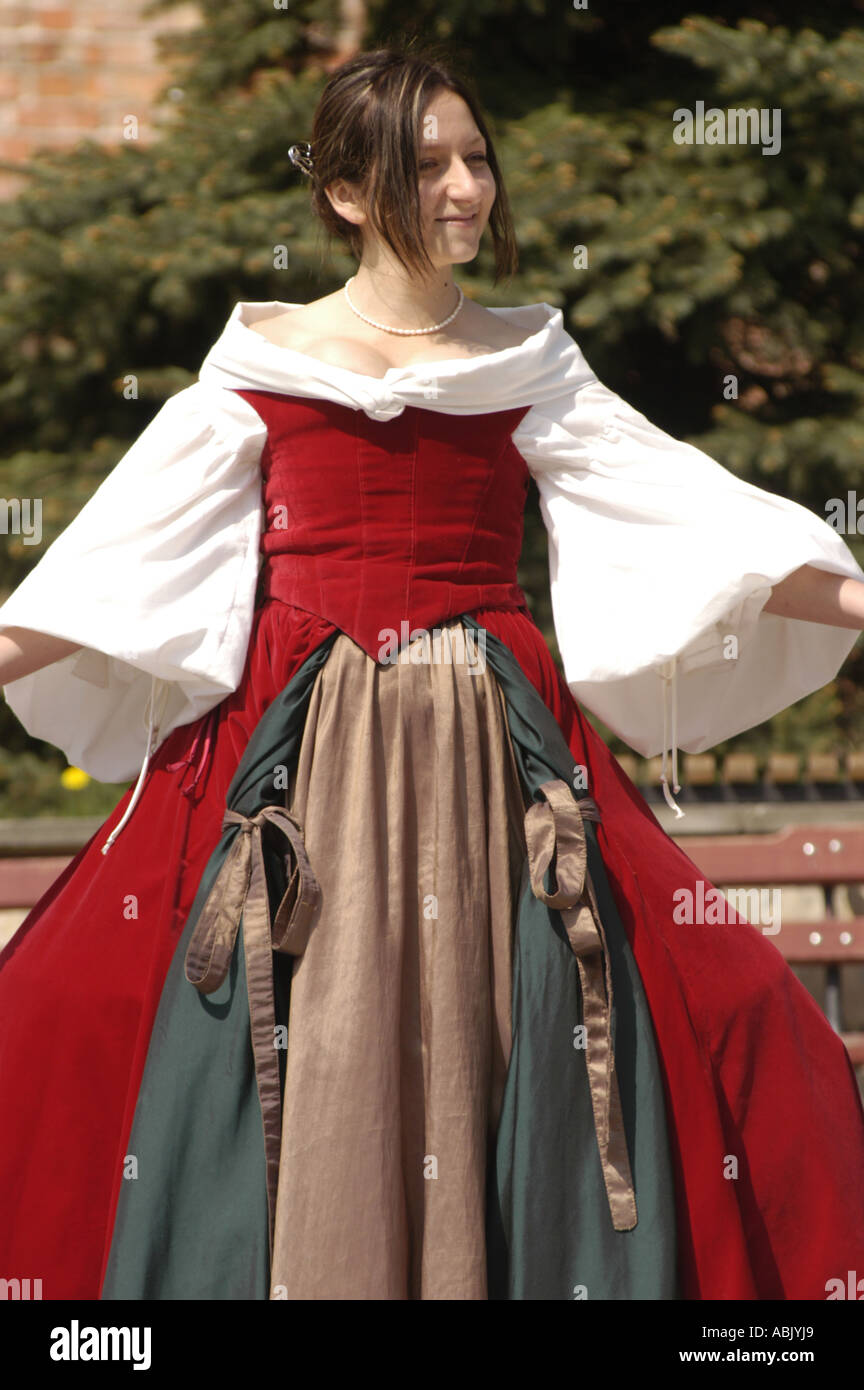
(375, 985)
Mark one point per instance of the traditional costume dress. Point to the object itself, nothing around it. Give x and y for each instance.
(375, 985)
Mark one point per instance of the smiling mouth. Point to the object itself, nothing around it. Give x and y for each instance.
(463, 221)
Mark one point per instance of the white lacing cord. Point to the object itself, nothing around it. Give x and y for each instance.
(669, 677)
(152, 725)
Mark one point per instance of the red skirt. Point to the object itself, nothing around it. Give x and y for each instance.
(751, 1069)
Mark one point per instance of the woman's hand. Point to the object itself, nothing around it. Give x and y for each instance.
(23, 651)
(816, 596)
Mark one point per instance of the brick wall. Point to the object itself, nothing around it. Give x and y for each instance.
(74, 69)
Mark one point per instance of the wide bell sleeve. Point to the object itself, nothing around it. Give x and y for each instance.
(661, 561)
(155, 578)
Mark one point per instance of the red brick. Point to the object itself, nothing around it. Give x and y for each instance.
(54, 114)
(40, 50)
(58, 19)
(137, 53)
(15, 147)
(57, 84)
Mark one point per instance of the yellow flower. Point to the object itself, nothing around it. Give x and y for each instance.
(74, 778)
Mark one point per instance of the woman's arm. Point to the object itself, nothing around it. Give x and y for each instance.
(816, 596)
(22, 652)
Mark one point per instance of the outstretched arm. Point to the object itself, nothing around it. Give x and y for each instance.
(816, 596)
(22, 652)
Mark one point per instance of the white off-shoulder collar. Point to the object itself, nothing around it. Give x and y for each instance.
(528, 373)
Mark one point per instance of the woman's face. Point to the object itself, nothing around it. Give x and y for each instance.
(456, 186)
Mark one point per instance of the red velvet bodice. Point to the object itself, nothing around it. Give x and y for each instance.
(376, 523)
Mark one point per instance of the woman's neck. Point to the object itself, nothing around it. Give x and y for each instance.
(400, 302)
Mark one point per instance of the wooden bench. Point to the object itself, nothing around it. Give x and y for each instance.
(825, 855)
(779, 777)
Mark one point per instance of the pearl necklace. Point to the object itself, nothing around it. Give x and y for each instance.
(404, 331)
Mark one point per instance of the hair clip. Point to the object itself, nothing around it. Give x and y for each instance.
(301, 156)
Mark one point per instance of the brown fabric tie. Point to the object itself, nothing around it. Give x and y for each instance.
(240, 892)
(554, 827)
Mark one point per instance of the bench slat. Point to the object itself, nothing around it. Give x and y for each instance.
(822, 854)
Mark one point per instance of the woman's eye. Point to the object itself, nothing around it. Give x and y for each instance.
(430, 163)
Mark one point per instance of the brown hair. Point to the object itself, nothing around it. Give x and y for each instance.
(367, 129)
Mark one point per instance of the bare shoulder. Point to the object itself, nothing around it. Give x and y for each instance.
(294, 327)
(491, 329)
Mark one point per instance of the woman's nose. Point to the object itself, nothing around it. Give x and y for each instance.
(462, 180)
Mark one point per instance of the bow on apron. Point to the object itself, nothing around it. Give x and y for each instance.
(554, 827)
(240, 892)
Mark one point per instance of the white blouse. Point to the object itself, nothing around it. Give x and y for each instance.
(156, 576)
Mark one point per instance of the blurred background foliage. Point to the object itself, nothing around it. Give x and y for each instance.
(704, 261)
